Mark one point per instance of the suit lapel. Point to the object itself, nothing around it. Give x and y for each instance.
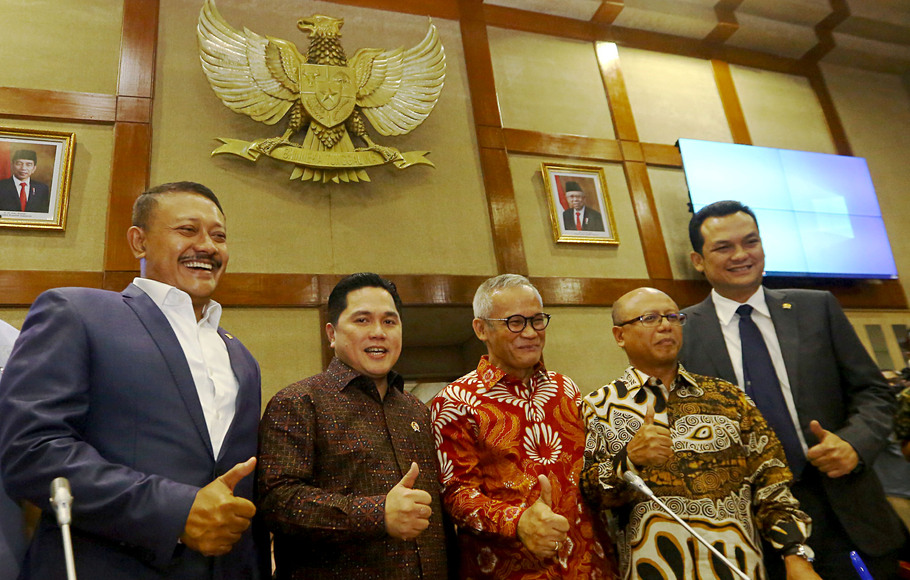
(787, 328)
(163, 335)
(247, 390)
(712, 338)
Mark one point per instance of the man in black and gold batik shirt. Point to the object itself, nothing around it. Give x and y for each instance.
(701, 445)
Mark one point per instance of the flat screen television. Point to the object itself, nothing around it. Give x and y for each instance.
(817, 213)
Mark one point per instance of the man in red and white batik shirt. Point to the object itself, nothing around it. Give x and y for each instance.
(510, 443)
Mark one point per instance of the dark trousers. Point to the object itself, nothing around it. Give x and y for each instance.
(829, 540)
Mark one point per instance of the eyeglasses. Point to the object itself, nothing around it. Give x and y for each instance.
(517, 323)
(654, 319)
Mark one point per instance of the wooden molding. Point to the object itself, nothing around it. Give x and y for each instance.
(560, 145)
(138, 46)
(447, 9)
(832, 118)
(508, 243)
(134, 109)
(617, 96)
(251, 290)
(652, 238)
(608, 12)
(57, 105)
(527, 21)
(129, 178)
(730, 101)
(661, 155)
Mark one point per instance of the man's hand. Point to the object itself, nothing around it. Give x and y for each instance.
(799, 569)
(832, 456)
(905, 449)
(217, 519)
(540, 529)
(652, 444)
(407, 510)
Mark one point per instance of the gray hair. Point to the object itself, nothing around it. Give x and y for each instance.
(483, 298)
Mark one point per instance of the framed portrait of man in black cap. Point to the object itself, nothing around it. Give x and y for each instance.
(35, 168)
(580, 210)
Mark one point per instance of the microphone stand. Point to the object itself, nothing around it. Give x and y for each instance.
(639, 484)
(62, 499)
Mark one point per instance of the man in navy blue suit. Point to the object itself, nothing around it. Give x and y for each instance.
(146, 406)
(20, 192)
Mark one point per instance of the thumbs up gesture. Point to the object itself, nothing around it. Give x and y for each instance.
(832, 455)
(651, 444)
(217, 519)
(407, 510)
(540, 529)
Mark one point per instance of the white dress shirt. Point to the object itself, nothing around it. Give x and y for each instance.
(205, 352)
(761, 315)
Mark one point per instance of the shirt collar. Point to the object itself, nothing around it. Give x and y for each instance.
(635, 379)
(167, 296)
(343, 375)
(726, 308)
(489, 374)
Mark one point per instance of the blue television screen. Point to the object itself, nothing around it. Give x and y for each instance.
(817, 213)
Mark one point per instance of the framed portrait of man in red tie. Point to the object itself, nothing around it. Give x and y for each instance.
(35, 170)
(580, 210)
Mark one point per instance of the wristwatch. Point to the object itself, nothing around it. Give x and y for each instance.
(801, 550)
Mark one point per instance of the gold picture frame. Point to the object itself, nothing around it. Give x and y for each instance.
(566, 187)
(47, 194)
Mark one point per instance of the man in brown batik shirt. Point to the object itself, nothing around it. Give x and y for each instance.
(347, 473)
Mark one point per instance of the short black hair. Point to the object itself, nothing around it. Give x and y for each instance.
(338, 299)
(716, 209)
(146, 202)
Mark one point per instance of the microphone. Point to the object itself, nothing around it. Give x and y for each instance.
(62, 500)
(639, 484)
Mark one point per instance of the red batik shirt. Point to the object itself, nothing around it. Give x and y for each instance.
(494, 436)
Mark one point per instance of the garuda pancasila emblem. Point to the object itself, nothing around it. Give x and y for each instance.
(327, 95)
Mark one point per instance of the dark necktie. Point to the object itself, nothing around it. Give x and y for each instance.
(764, 389)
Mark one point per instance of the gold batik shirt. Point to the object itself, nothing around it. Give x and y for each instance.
(727, 477)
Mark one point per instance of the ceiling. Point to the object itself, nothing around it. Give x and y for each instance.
(868, 34)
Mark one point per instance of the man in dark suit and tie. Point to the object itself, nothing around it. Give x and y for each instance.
(146, 406)
(796, 354)
(579, 216)
(20, 192)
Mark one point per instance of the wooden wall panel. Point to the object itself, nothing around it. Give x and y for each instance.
(57, 105)
(21, 287)
(129, 177)
(730, 100)
(652, 237)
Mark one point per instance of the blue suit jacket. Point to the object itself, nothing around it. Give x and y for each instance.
(98, 390)
(834, 381)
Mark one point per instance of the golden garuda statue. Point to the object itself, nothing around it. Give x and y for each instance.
(327, 95)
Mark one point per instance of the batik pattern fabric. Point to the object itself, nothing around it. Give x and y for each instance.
(330, 450)
(727, 478)
(494, 436)
(902, 416)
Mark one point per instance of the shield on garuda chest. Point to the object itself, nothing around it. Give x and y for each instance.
(328, 92)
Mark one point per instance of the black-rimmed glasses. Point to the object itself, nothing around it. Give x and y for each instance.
(654, 319)
(517, 323)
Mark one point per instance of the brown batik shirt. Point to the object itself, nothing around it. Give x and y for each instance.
(329, 451)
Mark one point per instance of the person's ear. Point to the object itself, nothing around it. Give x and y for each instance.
(135, 236)
(480, 329)
(698, 261)
(330, 333)
(618, 335)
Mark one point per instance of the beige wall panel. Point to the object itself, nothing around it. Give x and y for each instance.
(671, 196)
(61, 45)
(81, 246)
(884, 318)
(580, 345)
(774, 103)
(875, 111)
(672, 97)
(549, 84)
(546, 257)
(286, 226)
(13, 316)
(285, 341)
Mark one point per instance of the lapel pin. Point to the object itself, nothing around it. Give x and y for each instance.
(232, 338)
(415, 426)
(786, 305)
